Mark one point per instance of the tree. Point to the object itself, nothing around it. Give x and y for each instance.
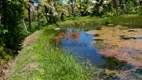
(49, 10)
(130, 6)
(115, 4)
(28, 6)
(97, 6)
(12, 14)
(72, 3)
(124, 5)
(29, 15)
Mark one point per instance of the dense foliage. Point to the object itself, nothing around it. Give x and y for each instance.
(39, 13)
(11, 13)
(16, 15)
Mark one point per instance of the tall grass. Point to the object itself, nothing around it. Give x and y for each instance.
(53, 63)
(87, 23)
(132, 21)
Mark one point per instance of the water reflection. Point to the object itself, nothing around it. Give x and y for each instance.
(84, 49)
(139, 38)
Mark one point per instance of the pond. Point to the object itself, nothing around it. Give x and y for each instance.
(83, 48)
(109, 48)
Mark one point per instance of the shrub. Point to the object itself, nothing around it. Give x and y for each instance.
(12, 14)
(130, 7)
(140, 10)
(132, 21)
(3, 54)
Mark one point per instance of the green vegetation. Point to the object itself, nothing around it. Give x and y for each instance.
(86, 23)
(131, 21)
(53, 63)
(42, 59)
(10, 31)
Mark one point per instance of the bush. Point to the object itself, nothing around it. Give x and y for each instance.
(130, 7)
(2, 53)
(132, 21)
(140, 10)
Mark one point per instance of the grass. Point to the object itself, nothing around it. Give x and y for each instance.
(86, 23)
(53, 63)
(131, 21)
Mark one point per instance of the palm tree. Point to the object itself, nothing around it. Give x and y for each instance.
(31, 12)
(49, 9)
(29, 15)
(28, 5)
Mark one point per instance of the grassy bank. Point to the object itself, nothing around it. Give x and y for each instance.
(131, 21)
(77, 22)
(41, 60)
(92, 22)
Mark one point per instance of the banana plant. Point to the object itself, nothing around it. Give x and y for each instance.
(49, 9)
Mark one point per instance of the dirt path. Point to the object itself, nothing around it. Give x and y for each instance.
(6, 67)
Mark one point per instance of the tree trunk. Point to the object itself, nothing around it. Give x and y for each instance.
(24, 25)
(124, 5)
(72, 6)
(116, 6)
(29, 16)
(4, 4)
(38, 16)
(46, 11)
